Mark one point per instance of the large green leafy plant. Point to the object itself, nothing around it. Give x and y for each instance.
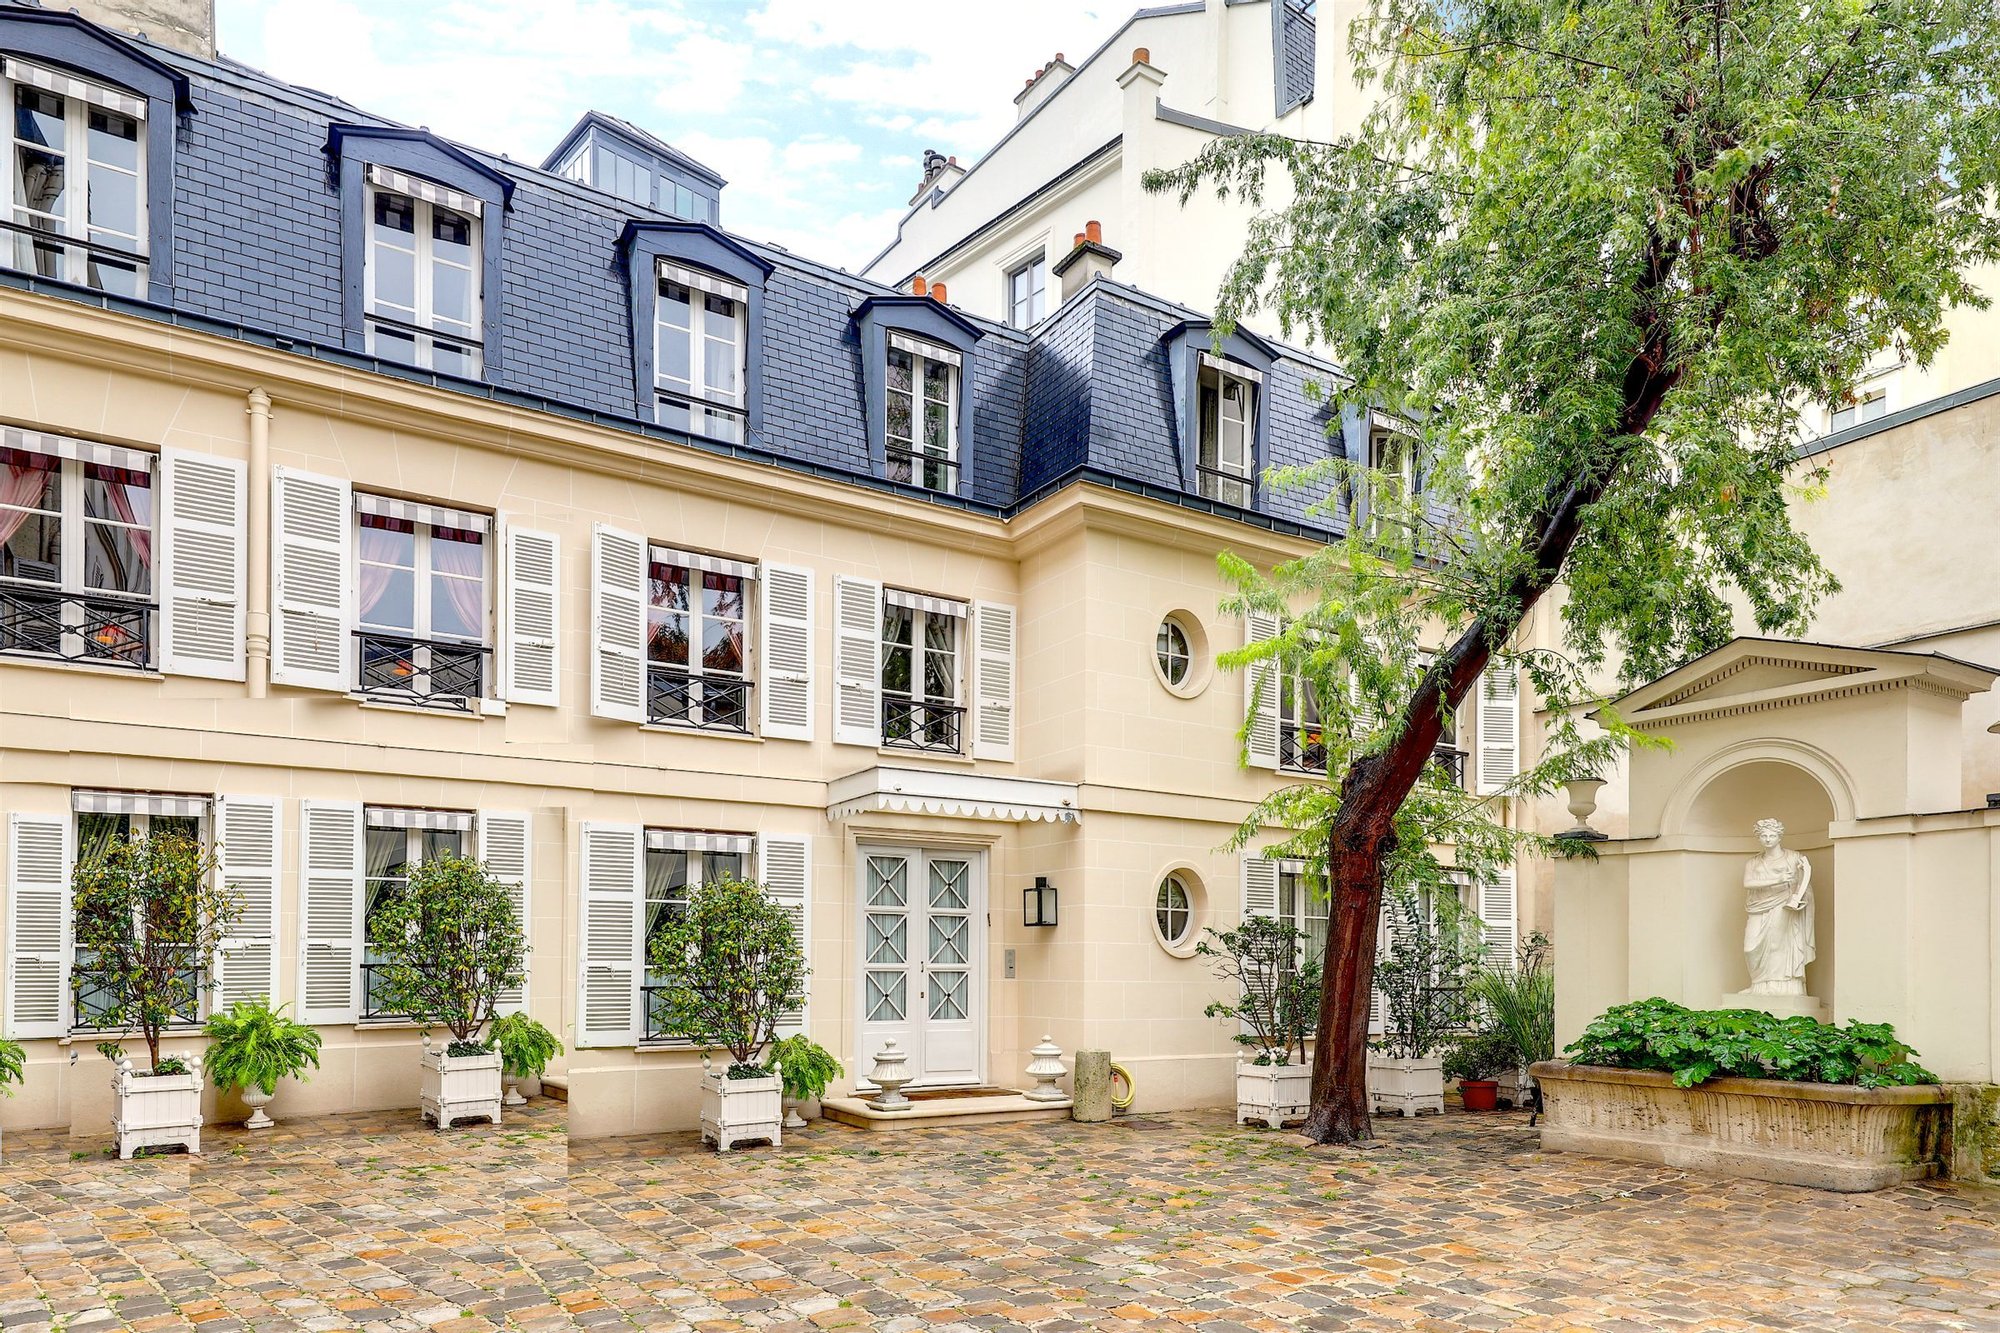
(1276, 986)
(252, 1045)
(1521, 1001)
(525, 1046)
(451, 946)
(13, 1066)
(1695, 1045)
(806, 1067)
(150, 913)
(1589, 258)
(734, 966)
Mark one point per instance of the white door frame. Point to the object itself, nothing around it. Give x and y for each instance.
(910, 1033)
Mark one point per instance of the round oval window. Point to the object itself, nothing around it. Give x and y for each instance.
(1176, 659)
(1173, 911)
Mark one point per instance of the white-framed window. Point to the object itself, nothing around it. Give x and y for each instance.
(1226, 413)
(1869, 404)
(423, 610)
(76, 200)
(1301, 729)
(698, 640)
(77, 532)
(1028, 292)
(422, 278)
(700, 337)
(678, 862)
(1173, 911)
(393, 840)
(1172, 652)
(922, 435)
(103, 818)
(1302, 900)
(921, 678)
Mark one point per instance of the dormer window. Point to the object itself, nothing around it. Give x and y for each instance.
(700, 331)
(1028, 292)
(922, 433)
(1227, 415)
(76, 207)
(423, 275)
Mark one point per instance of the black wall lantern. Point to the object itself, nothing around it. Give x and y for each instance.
(1038, 904)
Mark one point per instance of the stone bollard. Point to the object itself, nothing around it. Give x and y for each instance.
(1091, 1084)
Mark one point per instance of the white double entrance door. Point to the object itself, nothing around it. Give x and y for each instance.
(922, 966)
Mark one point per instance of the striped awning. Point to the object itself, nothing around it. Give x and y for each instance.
(83, 451)
(682, 840)
(68, 85)
(919, 347)
(136, 803)
(705, 282)
(396, 816)
(923, 601)
(436, 516)
(417, 188)
(1236, 368)
(707, 564)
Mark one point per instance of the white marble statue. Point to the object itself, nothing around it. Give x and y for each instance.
(1778, 934)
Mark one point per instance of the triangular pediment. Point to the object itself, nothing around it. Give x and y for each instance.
(1749, 674)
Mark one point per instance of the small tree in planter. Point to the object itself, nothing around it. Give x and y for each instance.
(734, 966)
(1476, 1060)
(451, 945)
(150, 914)
(1424, 982)
(1277, 997)
(806, 1067)
(253, 1047)
(525, 1047)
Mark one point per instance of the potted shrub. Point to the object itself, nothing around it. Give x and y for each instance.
(1522, 1003)
(1475, 1062)
(252, 1048)
(150, 915)
(806, 1068)
(1277, 1000)
(525, 1047)
(450, 946)
(733, 964)
(13, 1066)
(1423, 981)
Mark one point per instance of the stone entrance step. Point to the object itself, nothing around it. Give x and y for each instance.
(953, 1108)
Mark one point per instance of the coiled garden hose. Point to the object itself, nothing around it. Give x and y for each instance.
(1124, 1103)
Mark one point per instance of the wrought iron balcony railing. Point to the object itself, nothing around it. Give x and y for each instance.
(372, 1005)
(94, 998)
(652, 1004)
(77, 627)
(918, 724)
(708, 703)
(1302, 748)
(432, 673)
(1449, 760)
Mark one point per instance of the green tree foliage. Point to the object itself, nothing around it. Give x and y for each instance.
(805, 1066)
(150, 916)
(252, 1045)
(13, 1066)
(1277, 986)
(1590, 257)
(1696, 1045)
(734, 965)
(450, 944)
(525, 1046)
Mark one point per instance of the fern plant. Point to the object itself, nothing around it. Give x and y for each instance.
(525, 1046)
(253, 1045)
(806, 1067)
(13, 1066)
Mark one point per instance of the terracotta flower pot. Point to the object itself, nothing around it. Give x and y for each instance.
(1479, 1094)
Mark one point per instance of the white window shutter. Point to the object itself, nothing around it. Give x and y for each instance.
(506, 849)
(785, 595)
(330, 903)
(1499, 915)
(312, 590)
(40, 854)
(1499, 729)
(993, 681)
(784, 868)
(530, 636)
(1260, 886)
(618, 625)
(248, 836)
(613, 961)
(1260, 694)
(857, 661)
(1378, 1008)
(203, 508)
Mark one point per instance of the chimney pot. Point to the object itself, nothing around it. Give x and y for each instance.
(1141, 56)
(1078, 241)
(1093, 233)
(937, 291)
(917, 285)
(1059, 57)
(951, 161)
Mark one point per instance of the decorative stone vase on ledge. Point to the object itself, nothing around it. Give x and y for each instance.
(741, 1110)
(1272, 1095)
(460, 1087)
(1822, 1135)
(157, 1111)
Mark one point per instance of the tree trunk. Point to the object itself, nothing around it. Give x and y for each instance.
(1340, 1057)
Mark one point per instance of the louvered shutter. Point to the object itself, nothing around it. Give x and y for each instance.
(1378, 1007)
(618, 625)
(506, 849)
(530, 652)
(993, 681)
(1260, 894)
(312, 605)
(39, 857)
(786, 594)
(330, 888)
(1498, 913)
(1499, 729)
(612, 962)
(203, 508)
(248, 837)
(1260, 695)
(784, 868)
(857, 661)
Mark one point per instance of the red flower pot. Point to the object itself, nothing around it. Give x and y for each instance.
(1479, 1094)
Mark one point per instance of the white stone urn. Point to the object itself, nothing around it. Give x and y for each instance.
(740, 1110)
(1272, 1095)
(156, 1110)
(1406, 1087)
(459, 1087)
(513, 1097)
(256, 1099)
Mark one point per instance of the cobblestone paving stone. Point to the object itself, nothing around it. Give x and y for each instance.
(1156, 1222)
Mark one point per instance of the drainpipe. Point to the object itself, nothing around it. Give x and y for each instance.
(257, 544)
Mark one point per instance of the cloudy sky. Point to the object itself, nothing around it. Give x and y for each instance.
(816, 111)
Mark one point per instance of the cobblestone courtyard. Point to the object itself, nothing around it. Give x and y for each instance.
(1155, 1222)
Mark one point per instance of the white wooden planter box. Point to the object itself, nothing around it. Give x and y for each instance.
(156, 1111)
(1272, 1095)
(741, 1110)
(1516, 1089)
(1822, 1135)
(460, 1087)
(1406, 1087)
